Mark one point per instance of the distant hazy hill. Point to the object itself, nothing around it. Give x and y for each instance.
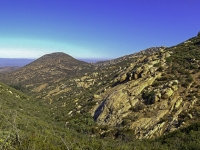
(8, 69)
(14, 62)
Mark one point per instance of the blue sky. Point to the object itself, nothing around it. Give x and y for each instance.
(94, 29)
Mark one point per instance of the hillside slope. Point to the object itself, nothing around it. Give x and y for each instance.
(24, 122)
(151, 94)
(146, 95)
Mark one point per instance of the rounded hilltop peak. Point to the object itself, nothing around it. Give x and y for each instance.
(57, 54)
(57, 58)
(50, 68)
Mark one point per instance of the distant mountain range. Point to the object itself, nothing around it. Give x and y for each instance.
(14, 62)
(20, 62)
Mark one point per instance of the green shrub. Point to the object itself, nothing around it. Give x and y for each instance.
(149, 97)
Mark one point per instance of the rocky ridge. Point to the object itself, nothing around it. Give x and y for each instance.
(127, 57)
(148, 100)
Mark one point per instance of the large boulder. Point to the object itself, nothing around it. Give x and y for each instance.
(113, 108)
(123, 77)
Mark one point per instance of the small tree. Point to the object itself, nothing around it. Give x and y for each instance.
(149, 97)
(198, 33)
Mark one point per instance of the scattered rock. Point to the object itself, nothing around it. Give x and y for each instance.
(189, 115)
(123, 78)
(178, 103)
(97, 96)
(168, 92)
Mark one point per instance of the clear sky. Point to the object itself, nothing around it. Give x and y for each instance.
(94, 28)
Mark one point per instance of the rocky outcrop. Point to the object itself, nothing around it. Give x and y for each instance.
(111, 109)
(137, 101)
(117, 102)
(40, 88)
